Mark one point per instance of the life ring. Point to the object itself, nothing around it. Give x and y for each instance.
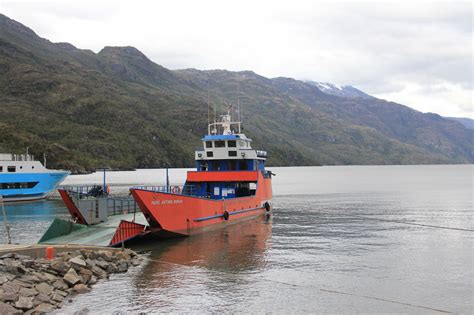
(226, 215)
(267, 206)
(175, 190)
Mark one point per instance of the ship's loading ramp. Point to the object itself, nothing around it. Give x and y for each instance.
(96, 220)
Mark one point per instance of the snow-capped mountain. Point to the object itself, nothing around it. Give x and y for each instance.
(342, 91)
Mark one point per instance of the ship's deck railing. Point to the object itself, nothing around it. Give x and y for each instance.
(86, 191)
(117, 205)
(188, 190)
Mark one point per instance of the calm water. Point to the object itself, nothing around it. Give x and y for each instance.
(341, 239)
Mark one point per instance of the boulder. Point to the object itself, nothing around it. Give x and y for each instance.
(123, 256)
(98, 272)
(59, 266)
(44, 308)
(28, 263)
(44, 288)
(86, 253)
(84, 271)
(81, 288)
(27, 292)
(61, 292)
(90, 263)
(102, 264)
(105, 255)
(30, 278)
(8, 309)
(112, 268)
(71, 277)
(122, 266)
(92, 280)
(129, 252)
(10, 287)
(42, 261)
(60, 284)
(8, 297)
(22, 284)
(58, 297)
(46, 277)
(65, 256)
(24, 302)
(9, 255)
(85, 279)
(77, 261)
(3, 279)
(42, 298)
(15, 267)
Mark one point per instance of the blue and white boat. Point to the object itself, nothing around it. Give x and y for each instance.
(24, 179)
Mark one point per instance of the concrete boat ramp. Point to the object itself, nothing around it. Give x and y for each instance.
(116, 229)
(96, 219)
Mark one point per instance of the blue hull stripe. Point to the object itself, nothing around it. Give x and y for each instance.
(230, 213)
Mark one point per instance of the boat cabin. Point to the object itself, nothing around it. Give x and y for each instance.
(227, 166)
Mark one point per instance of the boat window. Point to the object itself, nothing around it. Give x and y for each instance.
(1, 168)
(243, 165)
(18, 185)
(231, 143)
(11, 169)
(210, 154)
(232, 165)
(219, 144)
(232, 153)
(208, 144)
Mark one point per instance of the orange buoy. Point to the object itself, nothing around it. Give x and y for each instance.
(49, 253)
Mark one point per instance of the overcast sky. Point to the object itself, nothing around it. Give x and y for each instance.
(417, 53)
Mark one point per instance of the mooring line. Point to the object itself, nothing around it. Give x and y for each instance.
(315, 287)
(417, 224)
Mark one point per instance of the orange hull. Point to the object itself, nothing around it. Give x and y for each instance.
(181, 215)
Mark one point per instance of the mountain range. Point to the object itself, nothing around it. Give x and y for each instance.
(117, 108)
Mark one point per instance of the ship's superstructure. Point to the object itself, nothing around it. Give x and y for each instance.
(22, 178)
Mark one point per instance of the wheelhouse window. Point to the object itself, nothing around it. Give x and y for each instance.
(208, 144)
(231, 143)
(219, 144)
(232, 153)
(11, 169)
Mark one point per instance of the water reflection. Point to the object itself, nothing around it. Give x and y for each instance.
(236, 248)
(215, 265)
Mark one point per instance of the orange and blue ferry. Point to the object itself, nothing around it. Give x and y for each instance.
(230, 184)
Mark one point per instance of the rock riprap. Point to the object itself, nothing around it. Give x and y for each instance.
(37, 286)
